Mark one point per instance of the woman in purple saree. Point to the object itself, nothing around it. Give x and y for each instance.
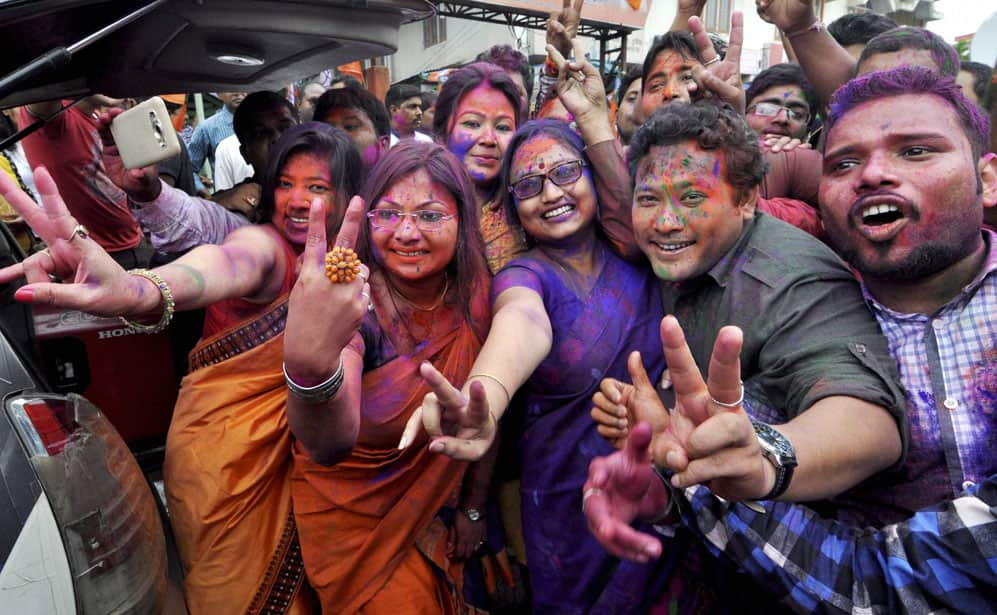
(566, 314)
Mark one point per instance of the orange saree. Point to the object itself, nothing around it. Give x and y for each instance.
(227, 475)
(370, 537)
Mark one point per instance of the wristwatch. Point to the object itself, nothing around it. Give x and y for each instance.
(473, 514)
(780, 453)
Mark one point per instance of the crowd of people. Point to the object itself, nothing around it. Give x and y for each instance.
(710, 348)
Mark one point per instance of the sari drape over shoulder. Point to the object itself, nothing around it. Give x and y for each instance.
(227, 474)
(371, 540)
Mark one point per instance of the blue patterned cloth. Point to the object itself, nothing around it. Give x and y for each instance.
(206, 138)
(944, 559)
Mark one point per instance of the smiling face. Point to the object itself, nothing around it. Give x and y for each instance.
(303, 178)
(670, 79)
(790, 100)
(899, 195)
(557, 213)
(481, 127)
(685, 214)
(407, 252)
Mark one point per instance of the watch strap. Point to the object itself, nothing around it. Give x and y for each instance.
(783, 476)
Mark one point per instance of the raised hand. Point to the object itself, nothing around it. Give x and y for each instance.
(580, 86)
(618, 406)
(787, 15)
(459, 425)
(718, 446)
(95, 283)
(782, 143)
(322, 316)
(622, 488)
(562, 26)
(141, 184)
(720, 77)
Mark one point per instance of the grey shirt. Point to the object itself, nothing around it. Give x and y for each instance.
(807, 331)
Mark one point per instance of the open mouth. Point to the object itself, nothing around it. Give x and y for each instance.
(881, 215)
(410, 254)
(560, 211)
(298, 220)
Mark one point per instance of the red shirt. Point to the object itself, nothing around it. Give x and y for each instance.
(69, 147)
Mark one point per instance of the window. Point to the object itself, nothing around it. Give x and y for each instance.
(716, 15)
(434, 31)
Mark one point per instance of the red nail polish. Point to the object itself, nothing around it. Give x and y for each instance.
(24, 295)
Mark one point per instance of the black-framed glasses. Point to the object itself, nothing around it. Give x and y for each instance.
(426, 220)
(563, 174)
(771, 109)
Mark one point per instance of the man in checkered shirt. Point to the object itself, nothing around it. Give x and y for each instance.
(906, 178)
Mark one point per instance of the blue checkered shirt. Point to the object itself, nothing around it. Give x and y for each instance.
(944, 559)
(948, 366)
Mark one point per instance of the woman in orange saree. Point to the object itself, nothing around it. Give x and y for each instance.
(228, 454)
(372, 535)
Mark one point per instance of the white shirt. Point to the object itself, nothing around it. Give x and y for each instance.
(230, 167)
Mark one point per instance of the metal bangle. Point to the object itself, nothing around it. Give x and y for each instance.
(494, 379)
(321, 392)
(164, 290)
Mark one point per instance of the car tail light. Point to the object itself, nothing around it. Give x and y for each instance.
(109, 522)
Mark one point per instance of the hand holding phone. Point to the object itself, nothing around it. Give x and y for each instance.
(144, 134)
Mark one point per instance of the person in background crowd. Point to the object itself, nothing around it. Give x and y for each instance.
(516, 65)
(15, 165)
(973, 79)
(782, 104)
(306, 101)
(780, 101)
(404, 103)
(428, 110)
(374, 519)
(228, 452)
(231, 168)
(210, 132)
(627, 100)
(345, 81)
(362, 116)
(178, 171)
(69, 147)
(853, 31)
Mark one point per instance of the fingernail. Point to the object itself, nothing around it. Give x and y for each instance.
(622, 424)
(24, 294)
(676, 481)
(436, 447)
(403, 444)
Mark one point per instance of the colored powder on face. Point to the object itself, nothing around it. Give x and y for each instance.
(716, 168)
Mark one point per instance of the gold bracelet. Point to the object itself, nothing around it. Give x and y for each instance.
(164, 290)
(497, 381)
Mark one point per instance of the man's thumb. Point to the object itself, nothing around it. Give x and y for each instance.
(638, 375)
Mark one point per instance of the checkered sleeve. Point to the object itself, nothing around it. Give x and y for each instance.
(942, 559)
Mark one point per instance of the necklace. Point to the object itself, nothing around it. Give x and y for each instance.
(436, 304)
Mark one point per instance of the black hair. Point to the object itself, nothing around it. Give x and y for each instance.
(981, 77)
(354, 98)
(244, 120)
(859, 28)
(679, 41)
(399, 93)
(945, 57)
(626, 81)
(785, 74)
(461, 82)
(713, 126)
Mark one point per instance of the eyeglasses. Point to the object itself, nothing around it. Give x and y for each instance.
(425, 220)
(563, 174)
(769, 109)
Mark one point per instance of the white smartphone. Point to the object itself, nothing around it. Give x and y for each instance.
(144, 134)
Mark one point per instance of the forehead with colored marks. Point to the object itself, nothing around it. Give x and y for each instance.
(538, 154)
(417, 189)
(684, 163)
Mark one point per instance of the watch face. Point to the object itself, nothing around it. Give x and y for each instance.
(776, 445)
